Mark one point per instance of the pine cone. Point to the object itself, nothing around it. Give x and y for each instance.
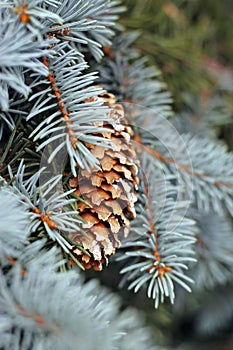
(110, 193)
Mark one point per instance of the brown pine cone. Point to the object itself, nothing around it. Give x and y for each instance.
(110, 193)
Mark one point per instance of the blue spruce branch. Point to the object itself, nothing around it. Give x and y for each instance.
(159, 248)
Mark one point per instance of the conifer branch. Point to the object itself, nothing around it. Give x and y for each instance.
(214, 251)
(87, 26)
(203, 115)
(135, 83)
(91, 17)
(48, 323)
(213, 187)
(71, 118)
(211, 180)
(15, 222)
(20, 50)
(159, 255)
(51, 208)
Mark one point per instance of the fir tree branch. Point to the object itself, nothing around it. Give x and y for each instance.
(19, 50)
(214, 251)
(73, 110)
(50, 208)
(131, 79)
(14, 149)
(15, 222)
(160, 249)
(203, 115)
(213, 187)
(210, 173)
(29, 321)
(13, 113)
(87, 25)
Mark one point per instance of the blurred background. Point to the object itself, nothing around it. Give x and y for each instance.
(191, 43)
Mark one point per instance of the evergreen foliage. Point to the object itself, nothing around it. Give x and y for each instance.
(163, 244)
(56, 59)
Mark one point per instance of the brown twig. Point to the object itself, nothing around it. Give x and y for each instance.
(65, 111)
(162, 270)
(46, 218)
